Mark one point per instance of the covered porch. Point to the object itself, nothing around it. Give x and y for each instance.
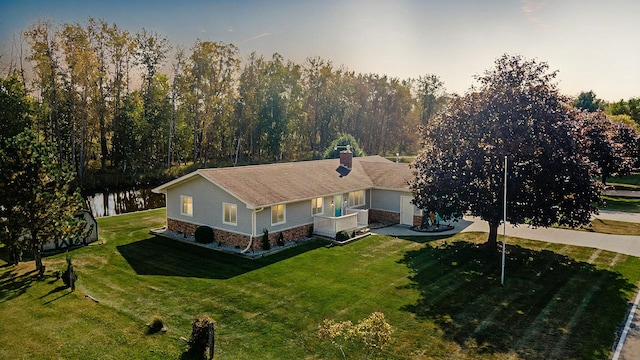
(355, 220)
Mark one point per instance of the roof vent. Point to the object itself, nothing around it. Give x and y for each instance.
(346, 160)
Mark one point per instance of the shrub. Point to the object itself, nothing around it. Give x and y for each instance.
(370, 334)
(156, 324)
(266, 245)
(280, 240)
(199, 334)
(342, 236)
(204, 235)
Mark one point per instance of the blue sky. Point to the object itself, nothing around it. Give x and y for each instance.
(593, 44)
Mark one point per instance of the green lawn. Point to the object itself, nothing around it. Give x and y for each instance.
(627, 182)
(618, 203)
(442, 297)
(614, 227)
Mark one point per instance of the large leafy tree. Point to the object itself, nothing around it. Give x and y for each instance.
(609, 145)
(517, 112)
(36, 201)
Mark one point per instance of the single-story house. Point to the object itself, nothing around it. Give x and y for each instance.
(296, 199)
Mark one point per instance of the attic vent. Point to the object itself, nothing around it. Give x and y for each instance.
(346, 160)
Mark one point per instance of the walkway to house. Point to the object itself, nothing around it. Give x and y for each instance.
(625, 244)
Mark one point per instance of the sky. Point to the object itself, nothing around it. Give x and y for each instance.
(594, 45)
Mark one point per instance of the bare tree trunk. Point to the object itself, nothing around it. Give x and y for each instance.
(37, 257)
(492, 241)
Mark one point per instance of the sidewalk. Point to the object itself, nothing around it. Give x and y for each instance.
(626, 244)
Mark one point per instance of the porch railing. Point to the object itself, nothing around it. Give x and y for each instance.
(329, 225)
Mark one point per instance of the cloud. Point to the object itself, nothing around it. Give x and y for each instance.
(257, 37)
(531, 7)
(229, 29)
(532, 10)
(203, 30)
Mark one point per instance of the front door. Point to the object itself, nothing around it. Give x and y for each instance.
(337, 208)
(406, 210)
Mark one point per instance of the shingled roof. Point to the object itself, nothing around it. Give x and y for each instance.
(265, 185)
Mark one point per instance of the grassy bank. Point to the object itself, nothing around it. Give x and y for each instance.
(442, 297)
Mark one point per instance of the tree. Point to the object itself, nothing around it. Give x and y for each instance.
(333, 151)
(15, 108)
(607, 144)
(588, 101)
(36, 201)
(45, 49)
(515, 112)
(430, 92)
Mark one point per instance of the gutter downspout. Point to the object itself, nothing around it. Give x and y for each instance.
(253, 229)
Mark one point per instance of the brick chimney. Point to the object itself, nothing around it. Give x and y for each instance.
(346, 158)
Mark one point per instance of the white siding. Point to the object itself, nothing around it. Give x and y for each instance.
(207, 205)
(389, 200)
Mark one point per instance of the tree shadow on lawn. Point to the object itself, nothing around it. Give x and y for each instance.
(14, 282)
(551, 306)
(162, 256)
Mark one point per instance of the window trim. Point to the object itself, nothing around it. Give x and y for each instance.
(284, 214)
(231, 206)
(182, 199)
(313, 208)
(364, 201)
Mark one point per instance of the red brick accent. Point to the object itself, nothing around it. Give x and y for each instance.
(417, 220)
(238, 240)
(182, 227)
(383, 216)
(288, 235)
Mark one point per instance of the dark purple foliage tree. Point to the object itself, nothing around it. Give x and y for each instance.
(516, 111)
(610, 145)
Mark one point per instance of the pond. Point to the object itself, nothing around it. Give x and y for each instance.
(112, 203)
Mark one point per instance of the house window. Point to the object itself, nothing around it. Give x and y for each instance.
(187, 205)
(317, 207)
(356, 198)
(229, 213)
(277, 214)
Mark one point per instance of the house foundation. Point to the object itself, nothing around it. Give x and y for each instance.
(238, 240)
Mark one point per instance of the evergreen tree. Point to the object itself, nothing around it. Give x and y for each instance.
(36, 200)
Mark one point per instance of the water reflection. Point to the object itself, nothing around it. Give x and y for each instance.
(112, 203)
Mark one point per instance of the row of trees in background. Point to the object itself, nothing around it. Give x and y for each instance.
(103, 98)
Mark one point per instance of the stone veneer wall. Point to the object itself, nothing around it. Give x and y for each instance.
(238, 240)
(383, 216)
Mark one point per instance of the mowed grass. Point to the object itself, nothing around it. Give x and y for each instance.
(606, 226)
(626, 182)
(442, 297)
(619, 203)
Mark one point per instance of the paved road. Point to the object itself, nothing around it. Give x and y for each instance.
(625, 244)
